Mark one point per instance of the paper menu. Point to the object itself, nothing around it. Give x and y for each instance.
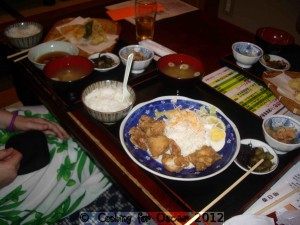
(248, 93)
(287, 183)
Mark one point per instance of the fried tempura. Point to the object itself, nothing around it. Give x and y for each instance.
(77, 31)
(98, 35)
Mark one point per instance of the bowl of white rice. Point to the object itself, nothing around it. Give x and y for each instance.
(24, 35)
(103, 100)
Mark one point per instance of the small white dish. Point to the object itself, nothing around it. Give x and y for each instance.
(267, 148)
(275, 58)
(110, 55)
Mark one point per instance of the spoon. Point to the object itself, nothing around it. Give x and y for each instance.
(126, 93)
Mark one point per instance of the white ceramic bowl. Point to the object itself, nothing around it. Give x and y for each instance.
(24, 34)
(110, 55)
(275, 58)
(51, 46)
(246, 54)
(107, 116)
(138, 66)
(248, 219)
(267, 148)
(276, 121)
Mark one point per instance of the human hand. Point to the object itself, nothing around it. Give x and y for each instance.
(9, 164)
(32, 123)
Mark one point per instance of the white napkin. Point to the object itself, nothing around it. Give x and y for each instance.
(158, 49)
(282, 83)
(86, 47)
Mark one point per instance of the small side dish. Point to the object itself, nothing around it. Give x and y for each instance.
(274, 62)
(142, 57)
(251, 152)
(246, 54)
(282, 133)
(104, 61)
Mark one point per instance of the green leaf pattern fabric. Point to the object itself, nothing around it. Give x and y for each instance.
(70, 182)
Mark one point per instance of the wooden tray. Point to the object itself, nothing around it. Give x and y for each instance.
(109, 26)
(290, 104)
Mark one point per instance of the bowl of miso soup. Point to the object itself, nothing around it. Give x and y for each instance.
(68, 71)
(43, 53)
(180, 69)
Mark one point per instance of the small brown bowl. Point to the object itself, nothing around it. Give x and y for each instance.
(180, 69)
(68, 71)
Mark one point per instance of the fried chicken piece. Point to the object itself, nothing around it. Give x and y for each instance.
(204, 158)
(158, 145)
(151, 126)
(174, 163)
(174, 148)
(144, 122)
(138, 138)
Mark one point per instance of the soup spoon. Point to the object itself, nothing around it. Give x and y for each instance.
(126, 93)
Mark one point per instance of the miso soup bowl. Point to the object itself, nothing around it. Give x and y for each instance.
(180, 69)
(51, 46)
(74, 68)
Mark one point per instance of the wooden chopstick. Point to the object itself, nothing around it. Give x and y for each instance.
(19, 59)
(28, 49)
(200, 213)
(18, 53)
(277, 201)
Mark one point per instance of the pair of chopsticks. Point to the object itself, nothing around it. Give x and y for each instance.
(224, 193)
(28, 49)
(261, 211)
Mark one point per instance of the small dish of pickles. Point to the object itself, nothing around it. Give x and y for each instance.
(251, 151)
(104, 62)
(274, 62)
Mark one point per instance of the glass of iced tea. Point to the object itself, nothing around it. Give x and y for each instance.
(145, 13)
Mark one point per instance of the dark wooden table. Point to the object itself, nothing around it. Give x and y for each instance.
(196, 33)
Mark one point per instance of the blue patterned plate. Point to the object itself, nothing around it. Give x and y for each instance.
(144, 159)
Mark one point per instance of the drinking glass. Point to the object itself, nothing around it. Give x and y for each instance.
(145, 13)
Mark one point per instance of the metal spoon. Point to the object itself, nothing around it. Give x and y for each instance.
(126, 93)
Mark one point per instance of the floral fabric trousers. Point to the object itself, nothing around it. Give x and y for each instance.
(69, 182)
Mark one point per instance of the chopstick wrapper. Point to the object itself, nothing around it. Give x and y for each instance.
(158, 49)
